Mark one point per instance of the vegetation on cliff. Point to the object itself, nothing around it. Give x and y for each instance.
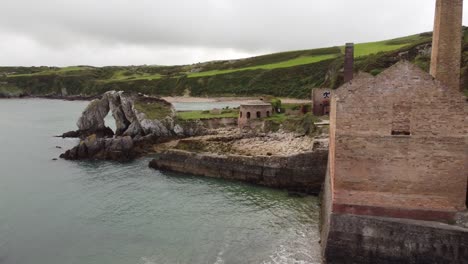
(285, 74)
(197, 115)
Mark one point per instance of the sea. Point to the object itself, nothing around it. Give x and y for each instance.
(99, 212)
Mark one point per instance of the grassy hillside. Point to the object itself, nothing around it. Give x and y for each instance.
(288, 74)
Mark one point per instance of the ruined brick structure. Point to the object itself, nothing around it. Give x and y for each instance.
(349, 62)
(321, 101)
(398, 150)
(398, 146)
(398, 160)
(447, 42)
(253, 110)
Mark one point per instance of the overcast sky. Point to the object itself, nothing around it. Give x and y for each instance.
(168, 32)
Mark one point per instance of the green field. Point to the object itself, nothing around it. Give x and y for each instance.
(194, 115)
(365, 49)
(153, 110)
(278, 65)
(123, 75)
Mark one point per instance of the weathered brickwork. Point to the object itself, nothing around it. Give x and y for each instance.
(349, 62)
(398, 141)
(321, 101)
(251, 111)
(447, 42)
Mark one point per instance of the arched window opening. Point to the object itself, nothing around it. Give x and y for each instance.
(240, 113)
(248, 115)
(259, 114)
(268, 113)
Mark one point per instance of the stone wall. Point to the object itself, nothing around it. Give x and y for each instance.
(366, 239)
(301, 172)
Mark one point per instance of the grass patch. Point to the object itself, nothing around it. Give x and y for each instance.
(364, 49)
(153, 110)
(302, 124)
(284, 64)
(195, 115)
(279, 118)
(122, 76)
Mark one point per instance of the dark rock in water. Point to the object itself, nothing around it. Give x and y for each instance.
(120, 149)
(54, 159)
(59, 147)
(100, 133)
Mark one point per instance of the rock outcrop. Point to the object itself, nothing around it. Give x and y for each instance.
(120, 148)
(134, 130)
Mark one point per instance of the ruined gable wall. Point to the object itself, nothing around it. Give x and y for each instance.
(372, 167)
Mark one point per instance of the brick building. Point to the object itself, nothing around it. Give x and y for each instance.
(398, 160)
(252, 111)
(398, 146)
(321, 101)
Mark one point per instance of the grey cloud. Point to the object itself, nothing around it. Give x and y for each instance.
(225, 27)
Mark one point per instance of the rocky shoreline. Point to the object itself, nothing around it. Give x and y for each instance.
(214, 149)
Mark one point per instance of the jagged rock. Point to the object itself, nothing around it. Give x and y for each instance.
(128, 109)
(115, 105)
(120, 149)
(101, 133)
(132, 127)
(93, 116)
(134, 130)
(154, 127)
(178, 130)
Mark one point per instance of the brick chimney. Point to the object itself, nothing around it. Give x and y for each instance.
(349, 62)
(447, 42)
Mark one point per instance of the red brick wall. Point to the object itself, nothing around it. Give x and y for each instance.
(319, 99)
(447, 42)
(370, 167)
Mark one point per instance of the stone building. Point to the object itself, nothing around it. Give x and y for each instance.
(321, 101)
(398, 160)
(252, 111)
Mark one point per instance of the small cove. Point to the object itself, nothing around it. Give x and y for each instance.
(106, 212)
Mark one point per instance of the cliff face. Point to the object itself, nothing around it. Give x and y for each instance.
(302, 172)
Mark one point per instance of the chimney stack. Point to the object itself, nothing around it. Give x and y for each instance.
(349, 62)
(447, 42)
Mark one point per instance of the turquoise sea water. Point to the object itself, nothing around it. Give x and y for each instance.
(59, 212)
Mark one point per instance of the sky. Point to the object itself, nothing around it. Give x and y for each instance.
(174, 32)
